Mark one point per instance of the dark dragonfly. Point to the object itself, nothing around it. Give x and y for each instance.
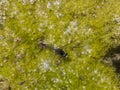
(58, 51)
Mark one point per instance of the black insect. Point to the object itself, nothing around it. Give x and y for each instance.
(58, 51)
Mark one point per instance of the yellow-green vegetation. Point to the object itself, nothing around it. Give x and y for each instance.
(85, 29)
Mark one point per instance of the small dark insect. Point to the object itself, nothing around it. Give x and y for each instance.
(58, 51)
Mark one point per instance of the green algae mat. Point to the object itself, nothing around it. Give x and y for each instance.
(59, 44)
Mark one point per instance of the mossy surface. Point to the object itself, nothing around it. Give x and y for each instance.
(84, 29)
